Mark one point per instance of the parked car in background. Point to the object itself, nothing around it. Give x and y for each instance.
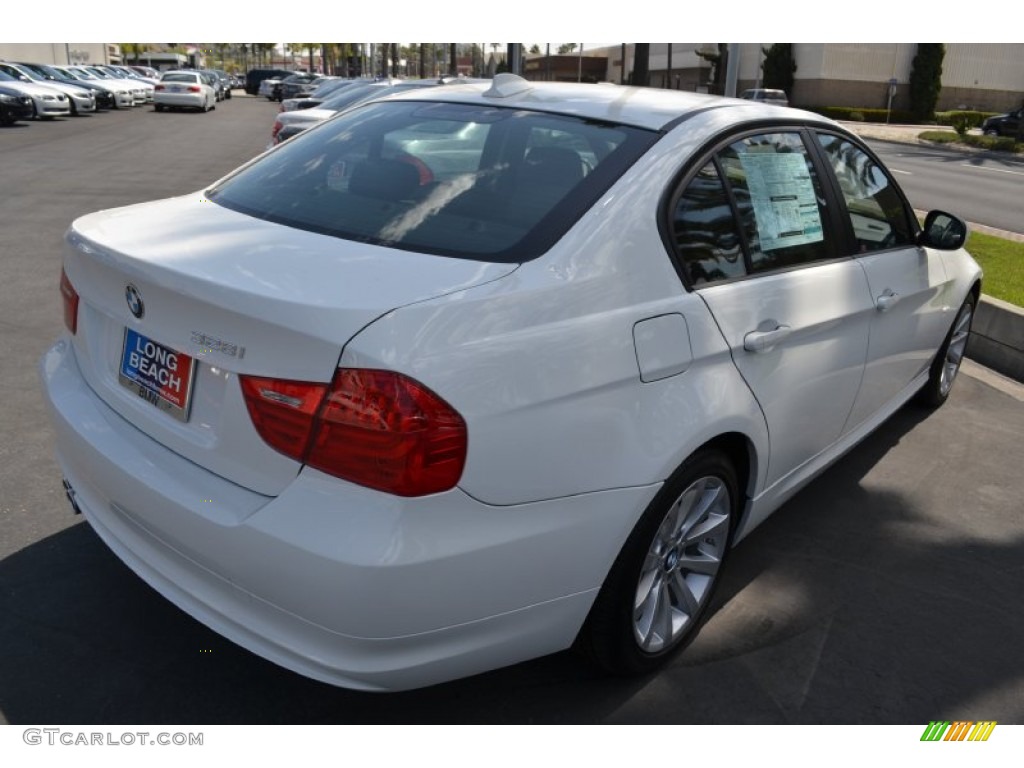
(224, 81)
(47, 102)
(185, 89)
(120, 93)
(269, 88)
(147, 72)
(135, 88)
(293, 84)
(257, 75)
(320, 94)
(14, 106)
(1003, 125)
(288, 124)
(48, 74)
(80, 100)
(123, 73)
(766, 96)
(487, 372)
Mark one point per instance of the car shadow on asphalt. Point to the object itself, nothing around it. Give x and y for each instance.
(849, 605)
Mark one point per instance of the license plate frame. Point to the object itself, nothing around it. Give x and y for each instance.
(158, 374)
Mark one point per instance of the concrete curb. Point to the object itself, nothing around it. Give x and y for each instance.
(997, 337)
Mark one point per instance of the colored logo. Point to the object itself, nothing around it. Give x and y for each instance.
(960, 730)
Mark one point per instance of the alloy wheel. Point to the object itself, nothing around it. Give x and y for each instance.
(681, 565)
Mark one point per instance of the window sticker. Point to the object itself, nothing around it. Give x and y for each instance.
(782, 194)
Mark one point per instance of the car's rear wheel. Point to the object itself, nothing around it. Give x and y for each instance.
(659, 588)
(947, 362)
(159, 107)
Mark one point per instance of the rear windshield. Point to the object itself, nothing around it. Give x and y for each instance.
(476, 182)
(180, 77)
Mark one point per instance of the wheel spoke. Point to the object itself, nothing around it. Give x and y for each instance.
(663, 617)
(682, 510)
(683, 595)
(648, 575)
(699, 563)
(709, 496)
(644, 615)
(715, 526)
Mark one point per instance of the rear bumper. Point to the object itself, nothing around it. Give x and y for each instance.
(337, 582)
(191, 100)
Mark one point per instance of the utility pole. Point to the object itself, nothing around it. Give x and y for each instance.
(515, 58)
(732, 70)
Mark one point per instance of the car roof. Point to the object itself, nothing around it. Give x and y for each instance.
(652, 108)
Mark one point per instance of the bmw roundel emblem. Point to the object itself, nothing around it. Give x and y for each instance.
(134, 299)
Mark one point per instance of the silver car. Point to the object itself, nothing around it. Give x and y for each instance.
(80, 99)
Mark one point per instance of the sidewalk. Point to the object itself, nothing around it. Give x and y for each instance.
(904, 134)
(907, 134)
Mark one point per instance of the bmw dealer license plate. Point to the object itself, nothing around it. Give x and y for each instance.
(157, 374)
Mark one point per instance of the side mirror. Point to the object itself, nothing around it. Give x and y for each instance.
(943, 231)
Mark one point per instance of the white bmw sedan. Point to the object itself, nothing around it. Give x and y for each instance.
(478, 373)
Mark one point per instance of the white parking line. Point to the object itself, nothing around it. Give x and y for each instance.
(897, 170)
(987, 168)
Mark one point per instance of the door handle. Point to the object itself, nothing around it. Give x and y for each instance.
(762, 341)
(887, 300)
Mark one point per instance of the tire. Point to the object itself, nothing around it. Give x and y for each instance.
(658, 590)
(158, 107)
(946, 364)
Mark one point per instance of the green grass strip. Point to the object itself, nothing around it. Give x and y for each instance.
(1003, 262)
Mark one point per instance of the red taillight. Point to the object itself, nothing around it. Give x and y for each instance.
(375, 428)
(194, 89)
(275, 130)
(70, 297)
(159, 87)
(283, 412)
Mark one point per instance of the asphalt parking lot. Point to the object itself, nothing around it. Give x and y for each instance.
(888, 591)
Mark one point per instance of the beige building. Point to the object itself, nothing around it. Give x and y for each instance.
(62, 53)
(985, 76)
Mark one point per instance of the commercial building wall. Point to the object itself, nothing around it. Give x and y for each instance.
(985, 76)
(62, 53)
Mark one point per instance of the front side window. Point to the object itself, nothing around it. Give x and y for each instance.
(477, 182)
(877, 213)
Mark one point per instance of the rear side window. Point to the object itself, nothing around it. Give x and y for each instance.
(705, 232)
(468, 181)
(756, 206)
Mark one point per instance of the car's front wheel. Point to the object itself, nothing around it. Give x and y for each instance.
(946, 364)
(660, 586)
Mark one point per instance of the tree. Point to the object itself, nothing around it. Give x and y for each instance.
(779, 67)
(565, 48)
(534, 48)
(641, 64)
(926, 80)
